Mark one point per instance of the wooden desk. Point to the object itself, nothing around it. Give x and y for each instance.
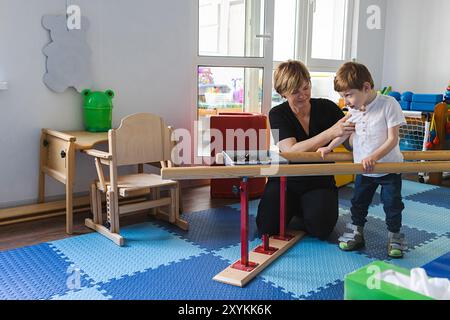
(57, 160)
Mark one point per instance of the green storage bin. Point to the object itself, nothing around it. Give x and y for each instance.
(356, 285)
(97, 110)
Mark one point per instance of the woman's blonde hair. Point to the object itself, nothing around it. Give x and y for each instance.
(290, 76)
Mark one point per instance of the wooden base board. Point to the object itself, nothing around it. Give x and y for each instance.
(41, 210)
(46, 210)
(241, 278)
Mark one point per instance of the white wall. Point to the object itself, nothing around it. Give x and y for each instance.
(142, 49)
(370, 43)
(417, 50)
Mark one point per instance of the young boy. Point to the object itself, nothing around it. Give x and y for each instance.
(376, 139)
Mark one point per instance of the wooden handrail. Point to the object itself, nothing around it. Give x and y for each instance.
(300, 157)
(185, 173)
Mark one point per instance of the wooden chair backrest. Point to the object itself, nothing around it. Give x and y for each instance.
(140, 138)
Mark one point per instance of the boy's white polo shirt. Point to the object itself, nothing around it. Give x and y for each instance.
(372, 129)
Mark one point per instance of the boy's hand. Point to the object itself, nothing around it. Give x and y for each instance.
(324, 151)
(369, 164)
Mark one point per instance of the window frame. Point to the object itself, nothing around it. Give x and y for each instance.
(303, 48)
(303, 39)
(328, 65)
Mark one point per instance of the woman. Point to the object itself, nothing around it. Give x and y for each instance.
(302, 124)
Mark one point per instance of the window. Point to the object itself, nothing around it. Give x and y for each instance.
(329, 33)
(225, 89)
(285, 30)
(240, 43)
(229, 89)
(231, 28)
(235, 59)
(328, 30)
(317, 32)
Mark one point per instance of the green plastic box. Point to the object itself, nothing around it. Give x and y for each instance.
(362, 285)
(97, 110)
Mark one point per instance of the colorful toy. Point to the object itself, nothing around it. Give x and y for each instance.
(396, 95)
(427, 98)
(433, 139)
(97, 108)
(447, 95)
(386, 90)
(407, 96)
(405, 100)
(205, 76)
(425, 102)
(447, 127)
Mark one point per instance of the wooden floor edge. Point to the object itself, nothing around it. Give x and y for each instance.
(39, 211)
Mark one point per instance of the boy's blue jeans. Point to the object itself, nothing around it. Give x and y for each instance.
(391, 197)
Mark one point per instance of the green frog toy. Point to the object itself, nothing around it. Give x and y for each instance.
(97, 107)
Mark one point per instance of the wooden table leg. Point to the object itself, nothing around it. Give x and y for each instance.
(43, 153)
(70, 174)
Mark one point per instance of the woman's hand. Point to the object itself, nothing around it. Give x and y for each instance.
(342, 128)
(324, 151)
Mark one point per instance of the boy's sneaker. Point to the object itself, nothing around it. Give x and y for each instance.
(352, 241)
(396, 245)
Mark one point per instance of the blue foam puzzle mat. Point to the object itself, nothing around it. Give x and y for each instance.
(160, 261)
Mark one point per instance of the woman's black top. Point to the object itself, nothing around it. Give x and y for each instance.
(324, 114)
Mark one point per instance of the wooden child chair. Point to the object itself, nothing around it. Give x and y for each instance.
(141, 138)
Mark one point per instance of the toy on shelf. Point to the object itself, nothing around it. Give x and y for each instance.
(416, 102)
(396, 95)
(447, 95)
(447, 126)
(433, 139)
(385, 91)
(425, 102)
(406, 99)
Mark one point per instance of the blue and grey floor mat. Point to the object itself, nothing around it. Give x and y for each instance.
(162, 262)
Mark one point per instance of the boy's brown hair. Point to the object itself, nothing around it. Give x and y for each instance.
(290, 76)
(352, 75)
